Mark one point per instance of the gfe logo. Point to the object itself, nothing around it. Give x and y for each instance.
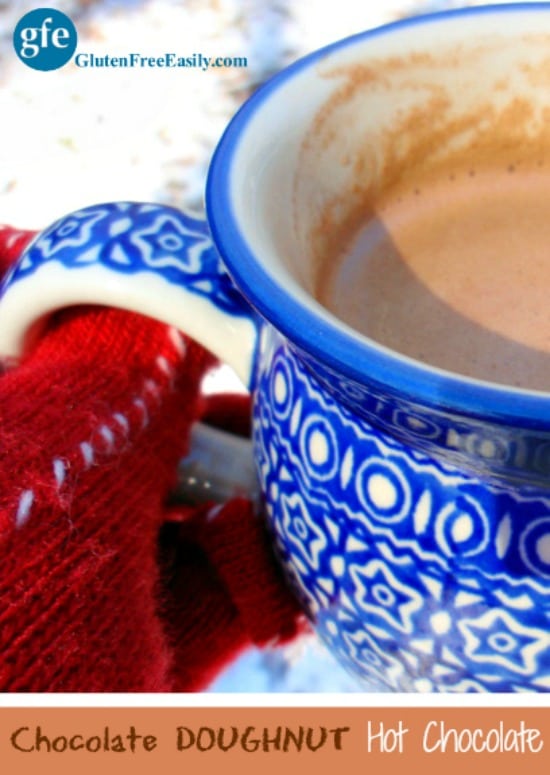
(45, 39)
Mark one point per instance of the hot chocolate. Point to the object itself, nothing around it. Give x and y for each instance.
(453, 269)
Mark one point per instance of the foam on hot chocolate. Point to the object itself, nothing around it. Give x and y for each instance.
(453, 268)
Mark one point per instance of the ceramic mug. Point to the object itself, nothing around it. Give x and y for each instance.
(409, 506)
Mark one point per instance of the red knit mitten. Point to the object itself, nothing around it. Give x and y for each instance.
(102, 588)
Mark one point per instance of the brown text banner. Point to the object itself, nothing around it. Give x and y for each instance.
(269, 740)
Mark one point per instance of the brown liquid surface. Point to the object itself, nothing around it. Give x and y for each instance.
(454, 270)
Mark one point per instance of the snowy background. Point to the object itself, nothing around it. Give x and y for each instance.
(75, 136)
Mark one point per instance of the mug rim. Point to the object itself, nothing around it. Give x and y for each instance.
(320, 334)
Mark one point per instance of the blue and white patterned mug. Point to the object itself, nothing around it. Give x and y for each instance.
(409, 506)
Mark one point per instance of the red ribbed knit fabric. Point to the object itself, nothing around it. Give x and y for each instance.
(103, 587)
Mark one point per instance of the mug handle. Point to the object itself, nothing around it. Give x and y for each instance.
(148, 258)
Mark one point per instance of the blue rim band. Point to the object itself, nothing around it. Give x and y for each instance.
(353, 356)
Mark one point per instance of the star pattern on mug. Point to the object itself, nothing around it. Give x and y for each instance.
(135, 238)
(497, 637)
(384, 598)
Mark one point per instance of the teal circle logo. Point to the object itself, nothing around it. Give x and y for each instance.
(45, 39)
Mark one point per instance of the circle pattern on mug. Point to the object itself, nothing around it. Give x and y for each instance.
(535, 547)
(383, 491)
(462, 528)
(281, 389)
(319, 448)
